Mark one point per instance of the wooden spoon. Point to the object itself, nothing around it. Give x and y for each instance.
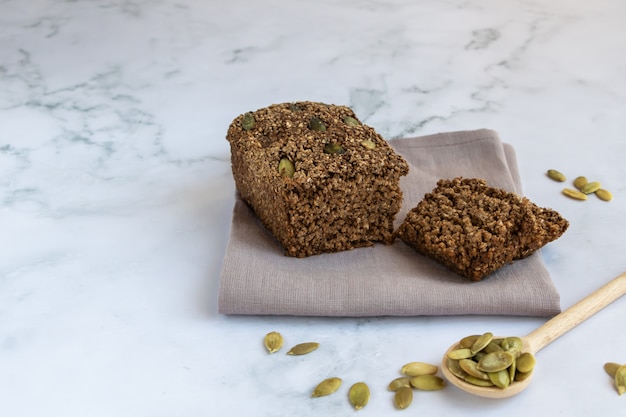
(546, 334)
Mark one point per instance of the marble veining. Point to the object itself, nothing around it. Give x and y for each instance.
(116, 192)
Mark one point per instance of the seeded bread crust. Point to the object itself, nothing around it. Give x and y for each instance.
(334, 201)
(474, 229)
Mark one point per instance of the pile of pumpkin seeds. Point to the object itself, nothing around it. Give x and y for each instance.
(582, 187)
(485, 361)
(618, 373)
(415, 376)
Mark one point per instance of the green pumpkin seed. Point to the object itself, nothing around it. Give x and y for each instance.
(350, 121)
(359, 395)
(579, 182)
(471, 368)
(468, 341)
(522, 376)
(403, 381)
(286, 169)
(496, 361)
(575, 194)
(428, 382)
(604, 195)
(525, 362)
(303, 348)
(611, 368)
(590, 187)
(513, 345)
(556, 175)
(462, 353)
(316, 124)
(418, 368)
(334, 149)
(477, 381)
(368, 144)
(403, 397)
(273, 342)
(500, 379)
(327, 387)
(455, 368)
(248, 121)
(493, 346)
(481, 342)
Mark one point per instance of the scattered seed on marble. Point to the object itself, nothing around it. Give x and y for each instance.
(575, 194)
(428, 382)
(418, 368)
(403, 397)
(556, 175)
(579, 182)
(359, 395)
(604, 195)
(403, 381)
(611, 368)
(327, 387)
(273, 342)
(303, 348)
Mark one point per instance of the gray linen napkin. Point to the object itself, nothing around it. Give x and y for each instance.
(387, 280)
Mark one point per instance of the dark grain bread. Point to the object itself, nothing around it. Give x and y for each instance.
(344, 189)
(474, 229)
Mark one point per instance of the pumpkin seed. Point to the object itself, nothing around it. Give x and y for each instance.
(620, 379)
(286, 169)
(575, 194)
(454, 367)
(403, 381)
(316, 124)
(428, 382)
(471, 367)
(368, 144)
(556, 175)
(327, 387)
(590, 187)
(513, 345)
(468, 341)
(579, 182)
(303, 348)
(461, 353)
(522, 376)
(500, 379)
(478, 382)
(418, 368)
(350, 121)
(273, 341)
(334, 149)
(359, 395)
(496, 361)
(248, 121)
(604, 195)
(403, 397)
(481, 342)
(525, 362)
(493, 346)
(611, 368)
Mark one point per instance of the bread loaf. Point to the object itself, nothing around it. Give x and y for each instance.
(317, 178)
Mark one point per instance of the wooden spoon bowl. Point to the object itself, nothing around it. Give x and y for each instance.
(544, 335)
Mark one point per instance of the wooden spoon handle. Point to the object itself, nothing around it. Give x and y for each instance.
(576, 314)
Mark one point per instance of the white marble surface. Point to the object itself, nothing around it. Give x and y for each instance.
(116, 191)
